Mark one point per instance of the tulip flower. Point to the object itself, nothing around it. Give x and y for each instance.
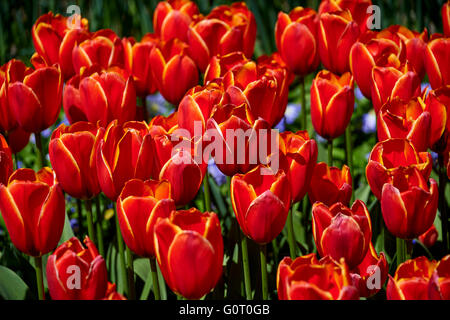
(336, 35)
(77, 273)
(55, 36)
(439, 288)
(72, 152)
(408, 204)
(390, 158)
(445, 11)
(139, 206)
(102, 49)
(408, 120)
(112, 294)
(330, 185)
(359, 10)
(189, 250)
(100, 96)
(137, 63)
(171, 19)
(371, 274)
(33, 208)
(173, 70)
(438, 105)
(390, 82)
(261, 203)
(301, 155)
(18, 139)
(430, 236)
(125, 152)
(6, 164)
(411, 280)
(225, 30)
(341, 232)
(36, 106)
(437, 62)
(332, 101)
(295, 35)
(161, 125)
(306, 278)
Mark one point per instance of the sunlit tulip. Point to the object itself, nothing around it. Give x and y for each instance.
(139, 206)
(77, 273)
(438, 105)
(439, 288)
(33, 208)
(6, 164)
(306, 278)
(72, 152)
(446, 18)
(437, 62)
(189, 249)
(359, 10)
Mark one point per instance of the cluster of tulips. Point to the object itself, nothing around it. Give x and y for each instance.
(150, 172)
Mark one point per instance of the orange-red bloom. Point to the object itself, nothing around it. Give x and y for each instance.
(391, 158)
(173, 70)
(261, 203)
(296, 38)
(440, 281)
(72, 152)
(54, 39)
(306, 278)
(438, 105)
(225, 30)
(139, 206)
(100, 96)
(408, 120)
(35, 98)
(33, 208)
(437, 62)
(125, 152)
(358, 9)
(301, 155)
(189, 249)
(6, 164)
(332, 100)
(330, 185)
(340, 232)
(446, 18)
(336, 35)
(77, 273)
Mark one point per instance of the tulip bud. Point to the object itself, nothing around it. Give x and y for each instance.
(437, 62)
(6, 164)
(359, 10)
(446, 18)
(189, 249)
(430, 236)
(139, 206)
(33, 208)
(77, 273)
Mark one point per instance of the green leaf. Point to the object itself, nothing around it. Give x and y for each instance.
(12, 286)
(67, 231)
(142, 270)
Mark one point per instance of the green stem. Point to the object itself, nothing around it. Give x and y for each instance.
(15, 161)
(121, 250)
(291, 235)
(80, 216)
(443, 202)
(39, 277)
(207, 195)
(303, 103)
(401, 251)
(348, 150)
(130, 273)
(330, 153)
(90, 220)
(245, 266)
(41, 156)
(98, 227)
(265, 288)
(155, 281)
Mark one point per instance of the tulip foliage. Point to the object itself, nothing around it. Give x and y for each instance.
(159, 167)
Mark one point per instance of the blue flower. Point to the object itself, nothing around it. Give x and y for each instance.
(369, 122)
(217, 175)
(292, 112)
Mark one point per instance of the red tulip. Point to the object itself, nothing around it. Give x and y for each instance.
(446, 18)
(330, 185)
(430, 236)
(189, 249)
(32, 206)
(439, 288)
(438, 105)
(390, 158)
(161, 125)
(341, 232)
(125, 152)
(72, 152)
(225, 30)
(306, 278)
(173, 70)
(301, 155)
(112, 294)
(77, 273)
(54, 39)
(332, 100)
(36, 106)
(389, 82)
(408, 204)
(437, 62)
(6, 164)
(336, 35)
(139, 206)
(296, 38)
(358, 9)
(371, 274)
(408, 120)
(171, 19)
(18, 139)
(137, 62)
(261, 203)
(100, 96)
